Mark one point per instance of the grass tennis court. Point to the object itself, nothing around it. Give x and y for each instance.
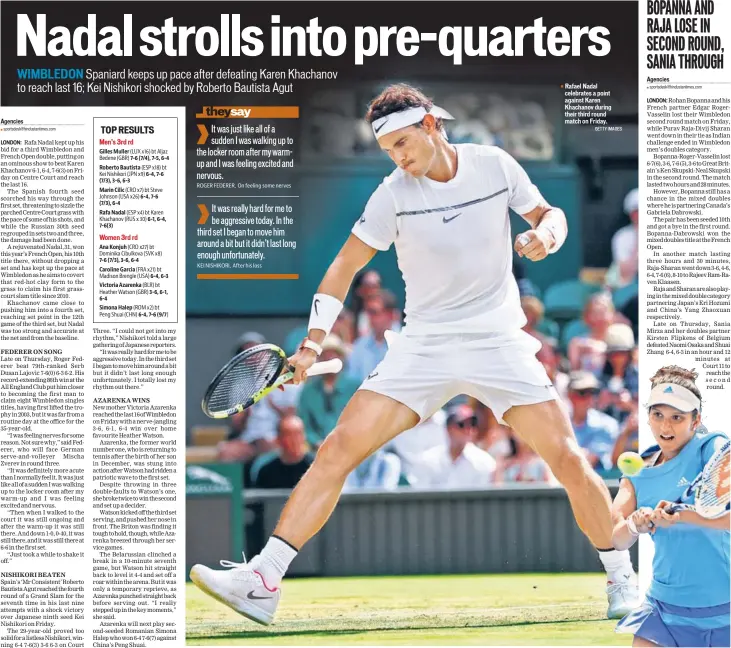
(514, 609)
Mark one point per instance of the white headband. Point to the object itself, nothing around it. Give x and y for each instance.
(674, 395)
(403, 118)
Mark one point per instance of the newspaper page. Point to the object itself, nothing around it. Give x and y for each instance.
(294, 294)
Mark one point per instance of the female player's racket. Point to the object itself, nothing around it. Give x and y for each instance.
(711, 487)
(250, 376)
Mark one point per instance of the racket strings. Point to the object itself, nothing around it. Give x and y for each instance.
(244, 380)
(715, 488)
(722, 478)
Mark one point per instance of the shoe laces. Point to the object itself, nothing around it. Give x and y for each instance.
(616, 588)
(627, 590)
(243, 569)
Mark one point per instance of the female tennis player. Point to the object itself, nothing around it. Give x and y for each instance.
(445, 208)
(688, 600)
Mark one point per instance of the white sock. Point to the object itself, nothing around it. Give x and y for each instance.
(617, 564)
(272, 563)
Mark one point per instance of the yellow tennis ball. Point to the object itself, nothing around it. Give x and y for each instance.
(630, 463)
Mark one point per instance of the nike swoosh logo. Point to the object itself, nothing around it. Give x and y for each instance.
(317, 301)
(446, 220)
(373, 375)
(378, 128)
(254, 597)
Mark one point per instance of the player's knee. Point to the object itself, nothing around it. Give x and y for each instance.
(570, 467)
(337, 454)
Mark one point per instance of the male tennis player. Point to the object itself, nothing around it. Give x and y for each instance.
(445, 208)
(688, 600)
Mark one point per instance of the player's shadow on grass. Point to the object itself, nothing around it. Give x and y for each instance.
(259, 634)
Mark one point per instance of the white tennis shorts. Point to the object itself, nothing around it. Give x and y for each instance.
(500, 370)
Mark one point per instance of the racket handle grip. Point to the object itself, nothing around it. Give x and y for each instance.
(327, 367)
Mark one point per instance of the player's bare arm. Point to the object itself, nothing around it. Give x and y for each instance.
(691, 517)
(353, 257)
(662, 519)
(628, 522)
(548, 233)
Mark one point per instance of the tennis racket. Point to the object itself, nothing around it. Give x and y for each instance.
(711, 487)
(250, 376)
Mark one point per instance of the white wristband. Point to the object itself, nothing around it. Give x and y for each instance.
(557, 231)
(314, 346)
(324, 312)
(632, 527)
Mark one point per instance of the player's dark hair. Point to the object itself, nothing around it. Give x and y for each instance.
(397, 97)
(678, 376)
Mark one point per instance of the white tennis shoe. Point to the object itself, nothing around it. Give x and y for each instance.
(623, 595)
(241, 588)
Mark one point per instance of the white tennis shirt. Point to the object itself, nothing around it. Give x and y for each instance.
(453, 241)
